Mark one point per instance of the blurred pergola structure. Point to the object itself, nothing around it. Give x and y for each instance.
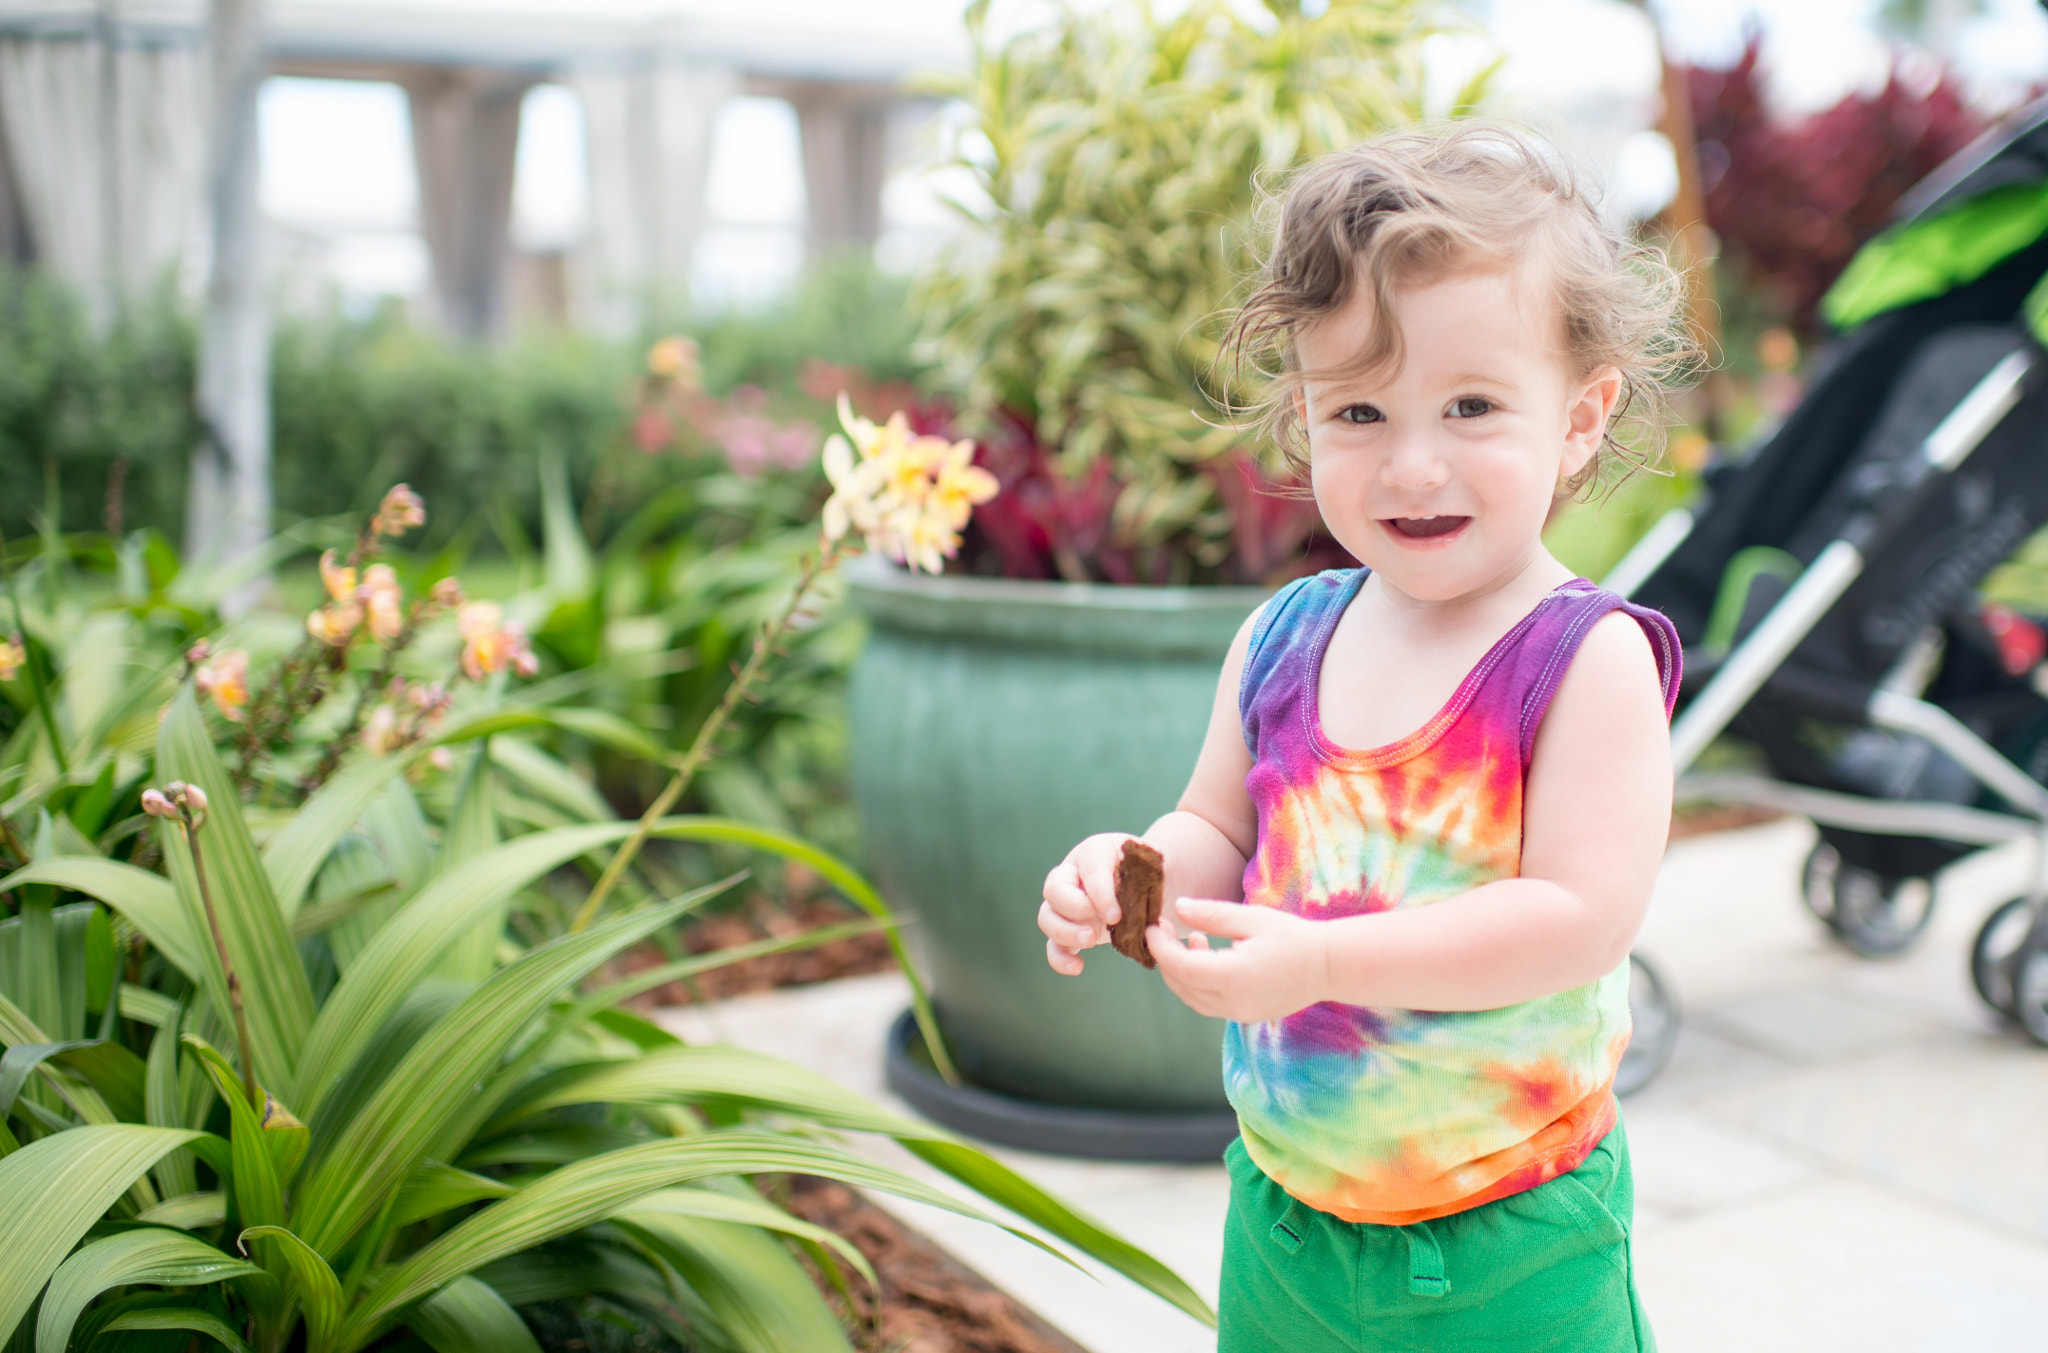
(103, 125)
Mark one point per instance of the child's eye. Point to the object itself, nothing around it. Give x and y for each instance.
(1360, 413)
(1471, 406)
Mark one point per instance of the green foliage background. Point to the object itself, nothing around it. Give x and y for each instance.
(361, 403)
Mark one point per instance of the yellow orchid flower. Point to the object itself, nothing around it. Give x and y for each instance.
(909, 496)
(959, 485)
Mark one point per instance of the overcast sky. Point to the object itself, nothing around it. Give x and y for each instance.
(338, 165)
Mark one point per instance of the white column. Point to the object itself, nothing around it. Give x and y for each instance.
(105, 144)
(846, 151)
(228, 502)
(648, 128)
(465, 136)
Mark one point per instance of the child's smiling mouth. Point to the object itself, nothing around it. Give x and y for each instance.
(1424, 528)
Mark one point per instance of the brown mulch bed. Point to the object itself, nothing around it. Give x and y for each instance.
(930, 1301)
(763, 918)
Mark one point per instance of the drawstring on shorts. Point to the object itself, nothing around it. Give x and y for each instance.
(1426, 1277)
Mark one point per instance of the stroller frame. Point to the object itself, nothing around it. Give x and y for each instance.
(1760, 655)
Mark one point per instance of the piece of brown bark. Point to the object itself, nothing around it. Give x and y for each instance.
(1140, 893)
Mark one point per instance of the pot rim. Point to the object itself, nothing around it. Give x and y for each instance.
(1024, 612)
(872, 573)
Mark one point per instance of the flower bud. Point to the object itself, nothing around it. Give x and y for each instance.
(401, 510)
(195, 799)
(156, 805)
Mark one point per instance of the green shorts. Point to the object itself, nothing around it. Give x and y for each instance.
(1545, 1269)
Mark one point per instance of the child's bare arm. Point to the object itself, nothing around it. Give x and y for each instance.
(1205, 840)
(1596, 811)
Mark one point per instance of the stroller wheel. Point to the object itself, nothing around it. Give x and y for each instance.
(1817, 881)
(1997, 945)
(1876, 916)
(1655, 1016)
(2030, 984)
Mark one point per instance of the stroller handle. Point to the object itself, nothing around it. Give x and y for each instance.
(1841, 562)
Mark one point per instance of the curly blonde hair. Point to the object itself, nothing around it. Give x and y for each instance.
(1407, 208)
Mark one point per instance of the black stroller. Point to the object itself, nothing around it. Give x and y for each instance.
(1826, 585)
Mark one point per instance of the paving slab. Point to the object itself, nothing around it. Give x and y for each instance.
(1841, 1154)
(1837, 1264)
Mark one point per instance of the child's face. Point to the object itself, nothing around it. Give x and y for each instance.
(1438, 475)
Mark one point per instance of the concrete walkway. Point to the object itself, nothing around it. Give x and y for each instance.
(1842, 1154)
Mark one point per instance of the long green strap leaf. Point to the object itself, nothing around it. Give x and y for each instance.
(258, 1193)
(19, 1062)
(433, 1101)
(840, 875)
(275, 991)
(600, 726)
(165, 1258)
(591, 1190)
(435, 1188)
(149, 901)
(718, 1073)
(746, 1208)
(53, 1190)
(163, 1104)
(762, 1298)
(181, 1318)
(467, 1316)
(406, 948)
(18, 1030)
(294, 856)
(189, 1211)
(310, 1279)
(380, 978)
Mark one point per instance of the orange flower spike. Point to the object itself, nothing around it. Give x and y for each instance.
(336, 624)
(12, 658)
(340, 582)
(385, 602)
(479, 624)
(226, 680)
(490, 645)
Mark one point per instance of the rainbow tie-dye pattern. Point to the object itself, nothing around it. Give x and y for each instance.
(1398, 1116)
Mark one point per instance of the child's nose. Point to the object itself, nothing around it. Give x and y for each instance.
(1414, 465)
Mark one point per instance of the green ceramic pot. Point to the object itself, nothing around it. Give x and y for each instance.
(995, 723)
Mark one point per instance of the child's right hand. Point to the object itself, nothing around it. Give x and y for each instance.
(1080, 900)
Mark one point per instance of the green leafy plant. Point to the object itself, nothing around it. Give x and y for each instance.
(278, 1078)
(1119, 159)
(430, 1132)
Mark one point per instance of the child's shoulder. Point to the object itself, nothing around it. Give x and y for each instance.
(1617, 652)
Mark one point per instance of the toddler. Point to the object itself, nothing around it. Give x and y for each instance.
(1439, 784)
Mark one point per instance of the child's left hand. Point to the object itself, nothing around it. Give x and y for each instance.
(1276, 963)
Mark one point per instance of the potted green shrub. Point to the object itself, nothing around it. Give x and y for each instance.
(1057, 681)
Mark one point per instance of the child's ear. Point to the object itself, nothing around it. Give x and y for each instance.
(1587, 417)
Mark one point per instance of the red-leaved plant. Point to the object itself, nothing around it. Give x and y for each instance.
(1793, 200)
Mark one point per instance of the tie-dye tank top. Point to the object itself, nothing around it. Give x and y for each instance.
(1398, 1116)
